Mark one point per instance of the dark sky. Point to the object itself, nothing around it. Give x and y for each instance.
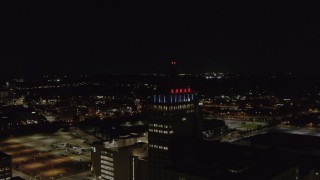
(40, 37)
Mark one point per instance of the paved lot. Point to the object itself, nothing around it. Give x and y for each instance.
(48, 155)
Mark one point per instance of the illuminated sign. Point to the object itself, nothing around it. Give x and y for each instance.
(180, 90)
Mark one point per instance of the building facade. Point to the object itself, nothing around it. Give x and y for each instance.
(172, 117)
(121, 159)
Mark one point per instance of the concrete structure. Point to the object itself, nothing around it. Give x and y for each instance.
(121, 159)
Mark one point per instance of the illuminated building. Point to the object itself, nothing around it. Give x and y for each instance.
(5, 166)
(172, 118)
(121, 159)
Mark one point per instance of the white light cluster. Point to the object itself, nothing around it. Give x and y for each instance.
(107, 177)
(107, 169)
(160, 128)
(188, 106)
(158, 147)
(106, 163)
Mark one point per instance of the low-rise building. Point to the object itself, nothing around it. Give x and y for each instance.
(120, 159)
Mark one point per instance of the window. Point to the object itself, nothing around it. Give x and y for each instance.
(106, 158)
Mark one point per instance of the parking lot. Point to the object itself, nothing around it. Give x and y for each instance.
(48, 155)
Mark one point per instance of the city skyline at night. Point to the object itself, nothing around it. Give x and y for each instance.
(115, 90)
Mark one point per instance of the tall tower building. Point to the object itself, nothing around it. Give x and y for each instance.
(172, 118)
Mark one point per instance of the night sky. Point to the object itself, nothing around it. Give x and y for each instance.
(46, 37)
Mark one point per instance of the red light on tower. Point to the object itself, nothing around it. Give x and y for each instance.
(185, 90)
(177, 90)
(172, 91)
(180, 90)
(189, 89)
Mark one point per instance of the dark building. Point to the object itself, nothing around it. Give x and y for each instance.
(96, 149)
(5, 166)
(210, 160)
(172, 117)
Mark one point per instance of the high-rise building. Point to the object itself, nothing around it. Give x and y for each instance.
(172, 118)
(5, 166)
